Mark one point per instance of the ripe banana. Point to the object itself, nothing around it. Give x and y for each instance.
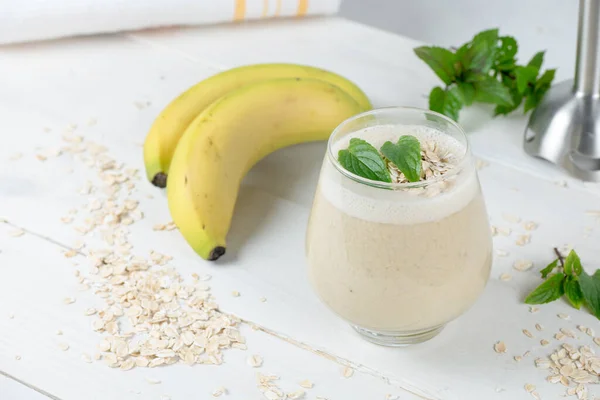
(230, 136)
(169, 126)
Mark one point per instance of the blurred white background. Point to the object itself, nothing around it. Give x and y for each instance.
(536, 24)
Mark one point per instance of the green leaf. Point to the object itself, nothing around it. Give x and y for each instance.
(364, 160)
(517, 98)
(537, 60)
(597, 274)
(541, 87)
(549, 268)
(505, 56)
(548, 291)
(480, 55)
(440, 60)
(447, 102)
(492, 91)
(525, 76)
(573, 291)
(472, 76)
(406, 155)
(437, 98)
(573, 264)
(590, 288)
(466, 91)
(531, 102)
(545, 80)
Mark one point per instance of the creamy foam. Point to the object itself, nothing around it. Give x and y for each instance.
(400, 206)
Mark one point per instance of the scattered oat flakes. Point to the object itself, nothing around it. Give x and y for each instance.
(63, 346)
(254, 361)
(16, 232)
(391, 397)
(518, 358)
(262, 299)
(535, 395)
(307, 384)
(563, 316)
(529, 387)
(522, 265)
(41, 157)
(539, 327)
(235, 293)
(219, 391)
(347, 372)
(505, 277)
(59, 332)
(533, 309)
(559, 336)
(522, 240)
(298, 394)
(17, 357)
(502, 253)
(530, 225)
(527, 333)
(500, 347)
(70, 253)
(544, 342)
(86, 358)
(153, 381)
(69, 300)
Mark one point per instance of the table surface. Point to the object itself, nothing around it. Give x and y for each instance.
(121, 82)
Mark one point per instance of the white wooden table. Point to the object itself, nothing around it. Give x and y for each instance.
(55, 84)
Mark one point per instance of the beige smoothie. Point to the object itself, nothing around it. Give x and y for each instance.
(399, 260)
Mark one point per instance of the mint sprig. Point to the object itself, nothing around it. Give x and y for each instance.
(485, 70)
(570, 280)
(362, 159)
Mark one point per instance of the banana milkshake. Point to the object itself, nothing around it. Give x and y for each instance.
(398, 261)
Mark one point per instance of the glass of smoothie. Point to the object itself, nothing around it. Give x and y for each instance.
(398, 260)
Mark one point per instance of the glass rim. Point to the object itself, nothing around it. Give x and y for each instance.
(390, 185)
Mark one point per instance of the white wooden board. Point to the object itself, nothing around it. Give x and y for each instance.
(102, 78)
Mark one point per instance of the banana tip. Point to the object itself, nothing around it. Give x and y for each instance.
(216, 253)
(160, 180)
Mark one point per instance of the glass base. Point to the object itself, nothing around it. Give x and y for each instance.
(398, 339)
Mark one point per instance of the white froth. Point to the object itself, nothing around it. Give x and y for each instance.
(396, 206)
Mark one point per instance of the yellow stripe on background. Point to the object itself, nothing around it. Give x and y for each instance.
(278, 8)
(302, 8)
(240, 10)
(265, 9)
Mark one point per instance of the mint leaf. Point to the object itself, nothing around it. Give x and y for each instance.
(537, 60)
(492, 91)
(525, 76)
(590, 288)
(573, 291)
(573, 264)
(466, 92)
(479, 56)
(549, 268)
(440, 60)
(505, 55)
(447, 102)
(548, 291)
(545, 80)
(364, 160)
(517, 98)
(406, 155)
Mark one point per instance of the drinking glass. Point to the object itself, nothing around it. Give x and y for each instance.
(399, 260)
